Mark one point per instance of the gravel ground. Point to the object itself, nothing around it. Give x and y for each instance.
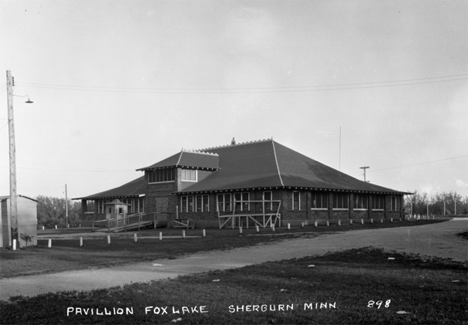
(432, 240)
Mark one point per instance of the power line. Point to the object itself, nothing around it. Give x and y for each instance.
(328, 87)
(421, 163)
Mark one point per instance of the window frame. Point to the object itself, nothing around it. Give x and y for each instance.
(343, 196)
(393, 207)
(155, 174)
(192, 172)
(224, 203)
(380, 199)
(324, 196)
(293, 205)
(361, 202)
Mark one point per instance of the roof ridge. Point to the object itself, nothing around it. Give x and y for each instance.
(276, 161)
(200, 152)
(237, 144)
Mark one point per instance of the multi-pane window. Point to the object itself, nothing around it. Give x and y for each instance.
(360, 201)
(378, 202)
(202, 203)
(296, 200)
(187, 203)
(242, 201)
(268, 196)
(340, 201)
(189, 175)
(393, 203)
(319, 200)
(161, 175)
(224, 202)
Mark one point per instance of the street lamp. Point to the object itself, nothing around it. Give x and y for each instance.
(11, 134)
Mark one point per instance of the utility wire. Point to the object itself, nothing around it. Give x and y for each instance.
(422, 163)
(364, 85)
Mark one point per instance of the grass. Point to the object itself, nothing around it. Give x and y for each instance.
(66, 254)
(429, 291)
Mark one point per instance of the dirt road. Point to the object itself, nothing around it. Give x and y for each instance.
(432, 240)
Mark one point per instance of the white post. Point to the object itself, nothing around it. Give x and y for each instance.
(391, 219)
(135, 237)
(43, 228)
(273, 227)
(183, 234)
(160, 236)
(14, 244)
(372, 220)
(204, 233)
(49, 244)
(350, 221)
(258, 229)
(55, 226)
(339, 222)
(289, 226)
(302, 225)
(328, 223)
(315, 223)
(362, 221)
(381, 220)
(240, 230)
(108, 240)
(81, 241)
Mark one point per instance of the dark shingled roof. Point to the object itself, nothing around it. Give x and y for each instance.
(134, 188)
(190, 159)
(266, 164)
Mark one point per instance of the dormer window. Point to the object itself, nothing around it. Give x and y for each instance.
(189, 175)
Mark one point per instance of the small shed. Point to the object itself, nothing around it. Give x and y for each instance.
(27, 221)
(116, 210)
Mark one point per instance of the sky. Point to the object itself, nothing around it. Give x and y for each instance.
(119, 85)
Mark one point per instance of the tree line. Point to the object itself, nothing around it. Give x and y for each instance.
(451, 203)
(51, 211)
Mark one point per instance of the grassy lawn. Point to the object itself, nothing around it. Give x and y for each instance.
(360, 286)
(66, 254)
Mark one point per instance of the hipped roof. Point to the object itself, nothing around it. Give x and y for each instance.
(134, 188)
(268, 164)
(188, 159)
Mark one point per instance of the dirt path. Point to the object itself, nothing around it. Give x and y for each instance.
(432, 240)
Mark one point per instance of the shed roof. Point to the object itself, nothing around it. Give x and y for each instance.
(134, 188)
(268, 164)
(188, 159)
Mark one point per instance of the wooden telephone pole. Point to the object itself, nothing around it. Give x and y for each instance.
(11, 135)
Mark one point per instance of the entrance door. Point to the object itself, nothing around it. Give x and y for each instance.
(162, 206)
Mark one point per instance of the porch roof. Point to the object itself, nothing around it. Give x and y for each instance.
(135, 188)
(188, 159)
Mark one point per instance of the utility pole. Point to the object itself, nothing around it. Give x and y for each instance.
(11, 136)
(364, 167)
(339, 154)
(66, 208)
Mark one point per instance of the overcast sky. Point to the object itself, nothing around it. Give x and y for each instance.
(119, 85)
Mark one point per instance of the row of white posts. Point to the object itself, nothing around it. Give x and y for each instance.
(135, 236)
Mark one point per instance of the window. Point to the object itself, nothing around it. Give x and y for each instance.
(202, 203)
(141, 204)
(296, 200)
(393, 203)
(242, 201)
(268, 196)
(224, 202)
(319, 200)
(189, 175)
(340, 201)
(378, 202)
(360, 201)
(187, 203)
(161, 175)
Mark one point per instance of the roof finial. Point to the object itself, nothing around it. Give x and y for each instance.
(233, 142)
